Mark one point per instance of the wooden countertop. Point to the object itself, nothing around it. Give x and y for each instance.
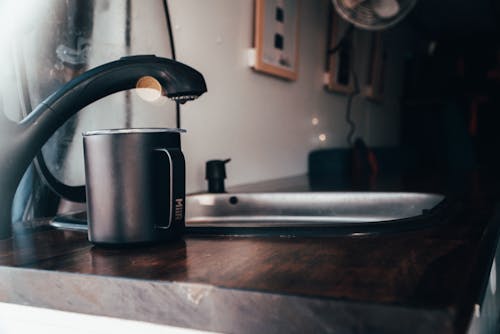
(420, 281)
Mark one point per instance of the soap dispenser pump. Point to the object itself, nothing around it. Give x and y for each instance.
(215, 173)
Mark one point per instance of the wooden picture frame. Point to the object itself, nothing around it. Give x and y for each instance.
(276, 37)
(373, 87)
(339, 77)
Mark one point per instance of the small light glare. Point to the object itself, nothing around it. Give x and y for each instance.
(322, 137)
(148, 88)
(315, 121)
(208, 200)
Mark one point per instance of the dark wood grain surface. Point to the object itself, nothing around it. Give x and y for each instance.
(424, 270)
(400, 268)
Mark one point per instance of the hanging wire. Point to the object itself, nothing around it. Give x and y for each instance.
(350, 98)
(169, 29)
(174, 57)
(344, 43)
(128, 48)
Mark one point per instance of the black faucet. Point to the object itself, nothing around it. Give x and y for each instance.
(20, 142)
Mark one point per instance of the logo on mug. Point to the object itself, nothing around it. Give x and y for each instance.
(178, 208)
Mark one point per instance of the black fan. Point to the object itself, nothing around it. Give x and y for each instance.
(373, 14)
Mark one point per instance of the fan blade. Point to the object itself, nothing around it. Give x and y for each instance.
(385, 9)
(352, 3)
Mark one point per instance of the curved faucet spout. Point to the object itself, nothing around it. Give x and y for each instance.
(20, 142)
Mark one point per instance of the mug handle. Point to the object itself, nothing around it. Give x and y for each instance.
(171, 187)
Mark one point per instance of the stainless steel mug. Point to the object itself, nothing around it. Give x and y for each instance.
(135, 181)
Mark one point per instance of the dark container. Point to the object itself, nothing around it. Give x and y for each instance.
(135, 180)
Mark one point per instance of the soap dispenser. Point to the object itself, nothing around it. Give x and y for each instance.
(215, 173)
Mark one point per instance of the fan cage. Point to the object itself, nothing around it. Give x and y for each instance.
(363, 16)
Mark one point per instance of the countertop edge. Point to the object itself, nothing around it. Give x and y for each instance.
(206, 307)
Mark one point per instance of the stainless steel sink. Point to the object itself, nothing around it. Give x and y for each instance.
(286, 213)
(331, 209)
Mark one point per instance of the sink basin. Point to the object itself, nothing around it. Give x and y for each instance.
(308, 210)
(335, 212)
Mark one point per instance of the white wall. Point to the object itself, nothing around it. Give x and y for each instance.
(261, 122)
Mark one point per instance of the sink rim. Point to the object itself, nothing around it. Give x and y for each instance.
(297, 227)
(353, 225)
